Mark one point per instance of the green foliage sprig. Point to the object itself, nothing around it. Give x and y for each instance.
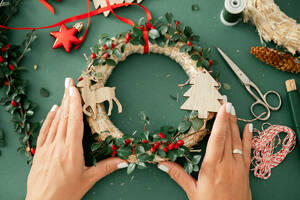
(15, 98)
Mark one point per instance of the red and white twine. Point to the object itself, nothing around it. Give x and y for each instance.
(264, 144)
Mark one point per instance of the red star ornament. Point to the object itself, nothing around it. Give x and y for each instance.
(65, 37)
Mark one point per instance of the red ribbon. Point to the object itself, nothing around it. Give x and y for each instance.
(93, 13)
(48, 6)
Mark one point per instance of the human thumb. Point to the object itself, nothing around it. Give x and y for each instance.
(104, 168)
(177, 173)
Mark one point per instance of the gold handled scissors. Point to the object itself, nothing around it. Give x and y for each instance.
(262, 99)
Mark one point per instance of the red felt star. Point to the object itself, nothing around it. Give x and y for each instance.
(65, 37)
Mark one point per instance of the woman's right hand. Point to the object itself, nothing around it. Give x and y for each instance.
(223, 174)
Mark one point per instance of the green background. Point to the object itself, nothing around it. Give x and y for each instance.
(144, 83)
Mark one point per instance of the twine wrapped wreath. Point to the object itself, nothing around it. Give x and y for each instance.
(273, 24)
(150, 148)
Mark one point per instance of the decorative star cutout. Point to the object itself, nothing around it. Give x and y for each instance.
(65, 37)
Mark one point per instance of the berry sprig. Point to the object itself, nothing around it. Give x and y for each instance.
(15, 98)
(165, 143)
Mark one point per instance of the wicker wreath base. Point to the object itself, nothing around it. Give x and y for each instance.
(188, 56)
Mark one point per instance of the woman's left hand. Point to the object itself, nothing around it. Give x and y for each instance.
(58, 170)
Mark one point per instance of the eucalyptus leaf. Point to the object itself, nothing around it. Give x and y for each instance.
(196, 159)
(188, 167)
(197, 124)
(139, 150)
(131, 168)
(153, 34)
(110, 62)
(124, 152)
(184, 126)
(169, 17)
(96, 146)
(185, 48)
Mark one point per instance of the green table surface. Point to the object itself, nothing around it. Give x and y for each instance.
(144, 83)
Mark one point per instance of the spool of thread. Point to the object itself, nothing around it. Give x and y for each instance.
(232, 12)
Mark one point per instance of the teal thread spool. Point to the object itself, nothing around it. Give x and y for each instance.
(232, 12)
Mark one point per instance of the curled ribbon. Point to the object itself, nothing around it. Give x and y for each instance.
(93, 13)
(264, 145)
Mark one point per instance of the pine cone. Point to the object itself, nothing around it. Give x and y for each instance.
(280, 60)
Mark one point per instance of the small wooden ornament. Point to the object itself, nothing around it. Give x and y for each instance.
(102, 3)
(203, 95)
(93, 95)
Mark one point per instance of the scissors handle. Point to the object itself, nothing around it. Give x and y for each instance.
(266, 101)
(264, 115)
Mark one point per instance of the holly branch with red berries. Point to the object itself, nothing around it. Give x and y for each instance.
(14, 96)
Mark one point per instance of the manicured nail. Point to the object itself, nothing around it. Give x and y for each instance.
(54, 108)
(232, 111)
(122, 165)
(228, 107)
(224, 98)
(67, 82)
(250, 127)
(163, 168)
(71, 91)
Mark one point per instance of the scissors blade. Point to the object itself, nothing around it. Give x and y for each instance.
(240, 74)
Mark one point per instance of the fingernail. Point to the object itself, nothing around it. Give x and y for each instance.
(67, 82)
(122, 165)
(71, 91)
(232, 111)
(228, 107)
(163, 168)
(250, 127)
(54, 108)
(224, 98)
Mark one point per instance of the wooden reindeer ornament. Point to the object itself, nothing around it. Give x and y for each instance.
(203, 95)
(92, 95)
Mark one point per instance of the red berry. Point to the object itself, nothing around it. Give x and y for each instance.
(148, 25)
(105, 47)
(7, 46)
(6, 83)
(93, 56)
(141, 27)
(114, 147)
(211, 62)
(189, 43)
(113, 45)
(161, 135)
(32, 150)
(1, 59)
(177, 23)
(153, 27)
(176, 146)
(127, 142)
(180, 143)
(11, 67)
(152, 150)
(13, 103)
(127, 37)
(156, 145)
(171, 146)
(145, 141)
(133, 150)
(3, 49)
(165, 149)
(80, 78)
(105, 55)
(114, 153)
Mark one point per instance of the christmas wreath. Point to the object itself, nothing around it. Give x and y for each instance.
(171, 38)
